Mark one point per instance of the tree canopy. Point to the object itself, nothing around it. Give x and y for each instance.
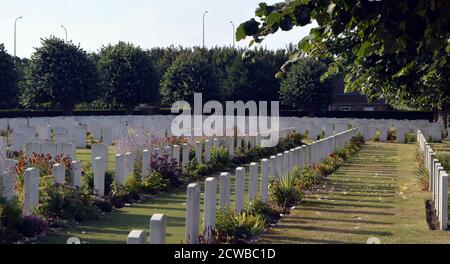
(8, 80)
(127, 76)
(59, 74)
(302, 88)
(189, 74)
(391, 50)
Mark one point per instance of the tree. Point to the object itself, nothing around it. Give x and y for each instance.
(391, 50)
(254, 77)
(59, 74)
(190, 73)
(127, 76)
(8, 80)
(303, 89)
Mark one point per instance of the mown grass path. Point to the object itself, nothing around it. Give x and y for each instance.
(375, 194)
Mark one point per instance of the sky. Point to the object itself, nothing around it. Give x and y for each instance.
(146, 23)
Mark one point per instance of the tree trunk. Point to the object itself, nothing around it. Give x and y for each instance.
(442, 115)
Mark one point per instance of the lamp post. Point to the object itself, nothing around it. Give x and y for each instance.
(15, 34)
(204, 14)
(65, 29)
(234, 34)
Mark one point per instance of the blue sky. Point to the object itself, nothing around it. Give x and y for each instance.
(147, 23)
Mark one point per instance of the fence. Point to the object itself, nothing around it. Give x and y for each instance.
(278, 166)
(438, 180)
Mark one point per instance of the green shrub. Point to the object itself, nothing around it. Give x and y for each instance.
(410, 138)
(121, 195)
(422, 177)
(306, 178)
(62, 202)
(10, 219)
(102, 204)
(267, 211)
(445, 161)
(153, 183)
(285, 191)
(238, 228)
(220, 159)
(248, 226)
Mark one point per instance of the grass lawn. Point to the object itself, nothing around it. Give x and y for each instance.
(84, 155)
(374, 195)
(441, 148)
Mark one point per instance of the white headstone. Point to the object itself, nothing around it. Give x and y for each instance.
(137, 237)
(146, 164)
(120, 169)
(264, 180)
(99, 176)
(59, 173)
(31, 191)
(185, 156)
(17, 141)
(209, 218)
(107, 135)
(79, 135)
(443, 210)
(193, 214)
(253, 183)
(239, 189)
(198, 152)
(100, 150)
(8, 183)
(207, 151)
(158, 229)
(176, 153)
(76, 174)
(224, 190)
(129, 164)
(49, 149)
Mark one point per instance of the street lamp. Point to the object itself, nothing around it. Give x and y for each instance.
(234, 34)
(65, 31)
(15, 30)
(204, 14)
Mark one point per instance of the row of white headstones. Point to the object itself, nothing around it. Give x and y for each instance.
(438, 181)
(124, 164)
(277, 166)
(70, 131)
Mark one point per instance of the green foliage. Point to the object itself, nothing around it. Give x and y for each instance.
(401, 57)
(306, 178)
(445, 161)
(268, 211)
(238, 228)
(10, 218)
(285, 190)
(220, 159)
(121, 195)
(303, 88)
(154, 183)
(127, 76)
(410, 137)
(8, 80)
(189, 74)
(253, 78)
(59, 74)
(62, 202)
